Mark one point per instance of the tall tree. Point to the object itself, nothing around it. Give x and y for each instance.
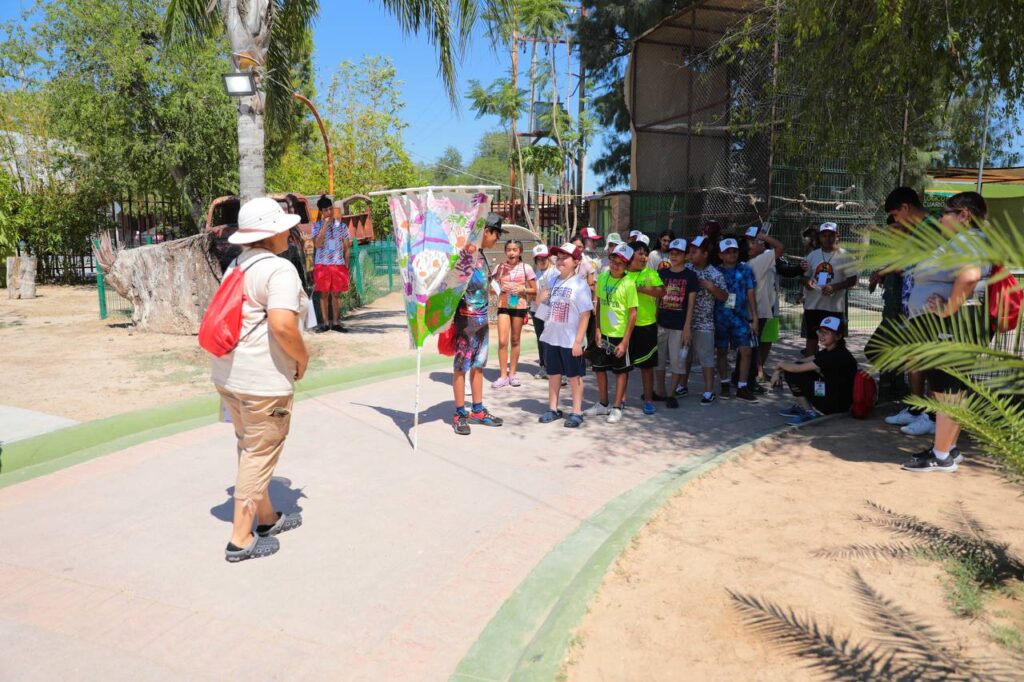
(269, 34)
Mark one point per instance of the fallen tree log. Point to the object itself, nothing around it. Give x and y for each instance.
(169, 284)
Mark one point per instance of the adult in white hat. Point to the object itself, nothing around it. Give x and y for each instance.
(256, 380)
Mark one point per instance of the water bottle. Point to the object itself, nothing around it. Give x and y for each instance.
(513, 300)
(683, 353)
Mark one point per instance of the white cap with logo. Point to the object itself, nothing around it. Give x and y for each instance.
(540, 251)
(727, 244)
(831, 323)
(828, 227)
(677, 245)
(624, 251)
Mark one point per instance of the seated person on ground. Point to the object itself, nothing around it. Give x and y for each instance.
(823, 382)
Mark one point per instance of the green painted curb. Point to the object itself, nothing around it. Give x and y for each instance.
(26, 459)
(528, 636)
(41, 455)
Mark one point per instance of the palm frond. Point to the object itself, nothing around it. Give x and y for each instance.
(191, 20)
(446, 25)
(893, 550)
(915, 640)
(836, 655)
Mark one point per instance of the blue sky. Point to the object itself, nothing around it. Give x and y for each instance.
(350, 29)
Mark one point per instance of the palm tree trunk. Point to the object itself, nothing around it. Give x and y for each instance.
(250, 148)
(248, 27)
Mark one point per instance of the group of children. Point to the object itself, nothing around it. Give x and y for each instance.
(628, 307)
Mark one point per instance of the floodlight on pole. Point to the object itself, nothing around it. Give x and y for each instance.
(239, 84)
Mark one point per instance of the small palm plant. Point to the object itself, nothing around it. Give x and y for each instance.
(992, 409)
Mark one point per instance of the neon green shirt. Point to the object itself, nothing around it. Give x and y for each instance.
(647, 307)
(616, 297)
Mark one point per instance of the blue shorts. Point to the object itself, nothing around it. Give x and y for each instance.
(471, 346)
(733, 331)
(560, 361)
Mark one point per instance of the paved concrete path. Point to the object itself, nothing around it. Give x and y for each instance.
(113, 569)
(17, 423)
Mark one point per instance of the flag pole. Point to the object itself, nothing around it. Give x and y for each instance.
(416, 407)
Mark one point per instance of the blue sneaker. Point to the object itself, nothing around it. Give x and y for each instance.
(793, 410)
(803, 418)
(649, 408)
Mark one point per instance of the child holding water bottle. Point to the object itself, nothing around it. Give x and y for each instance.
(675, 321)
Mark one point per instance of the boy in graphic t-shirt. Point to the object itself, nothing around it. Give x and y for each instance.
(616, 311)
(711, 291)
(830, 272)
(675, 319)
(569, 302)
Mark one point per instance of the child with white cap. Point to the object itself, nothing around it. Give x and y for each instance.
(570, 304)
(614, 239)
(711, 291)
(736, 323)
(830, 272)
(675, 319)
(822, 383)
(545, 271)
(616, 312)
(643, 344)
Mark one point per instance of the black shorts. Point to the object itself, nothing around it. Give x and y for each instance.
(812, 320)
(643, 346)
(802, 385)
(972, 320)
(513, 312)
(603, 358)
(560, 361)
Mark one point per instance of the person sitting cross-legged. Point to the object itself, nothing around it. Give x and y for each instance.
(823, 382)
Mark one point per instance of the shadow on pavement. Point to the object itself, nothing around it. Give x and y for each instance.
(284, 498)
(404, 420)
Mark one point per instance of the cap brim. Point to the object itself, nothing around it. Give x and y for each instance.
(281, 224)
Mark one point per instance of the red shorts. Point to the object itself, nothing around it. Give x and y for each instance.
(330, 278)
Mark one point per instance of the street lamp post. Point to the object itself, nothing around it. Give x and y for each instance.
(243, 84)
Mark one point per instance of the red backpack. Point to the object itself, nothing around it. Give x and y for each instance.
(865, 393)
(1004, 301)
(222, 322)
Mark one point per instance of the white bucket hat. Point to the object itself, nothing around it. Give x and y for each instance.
(261, 218)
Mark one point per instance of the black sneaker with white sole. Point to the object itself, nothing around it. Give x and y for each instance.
(954, 455)
(707, 400)
(930, 463)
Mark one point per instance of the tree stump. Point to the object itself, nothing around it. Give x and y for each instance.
(21, 276)
(169, 284)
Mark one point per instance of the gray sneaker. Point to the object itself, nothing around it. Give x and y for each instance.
(257, 549)
(284, 523)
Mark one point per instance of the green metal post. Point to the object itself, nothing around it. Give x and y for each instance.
(357, 270)
(101, 289)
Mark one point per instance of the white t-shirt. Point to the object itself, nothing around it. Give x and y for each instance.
(570, 298)
(764, 274)
(258, 365)
(831, 268)
(544, 280)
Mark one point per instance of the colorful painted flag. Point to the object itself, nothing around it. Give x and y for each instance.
(437, 232)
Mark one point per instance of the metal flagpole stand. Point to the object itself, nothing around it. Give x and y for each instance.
(416, 406)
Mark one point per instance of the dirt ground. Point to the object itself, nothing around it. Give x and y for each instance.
(765, 530)
(59, 357)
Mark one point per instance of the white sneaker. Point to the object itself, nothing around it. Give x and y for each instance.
(921, 426)
(596, 410)
(901, 418)
(614, 415)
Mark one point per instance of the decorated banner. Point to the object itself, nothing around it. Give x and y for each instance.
(437, 234)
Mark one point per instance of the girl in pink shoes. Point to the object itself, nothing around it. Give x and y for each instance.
(515, 282)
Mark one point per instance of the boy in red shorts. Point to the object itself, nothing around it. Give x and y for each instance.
(330, 264)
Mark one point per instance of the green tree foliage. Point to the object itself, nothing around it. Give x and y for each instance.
(129, 111)
(362, 113)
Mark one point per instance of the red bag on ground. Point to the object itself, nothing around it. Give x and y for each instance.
(1004, 301)
(222, 322)
(446, 341)
(865, 394)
